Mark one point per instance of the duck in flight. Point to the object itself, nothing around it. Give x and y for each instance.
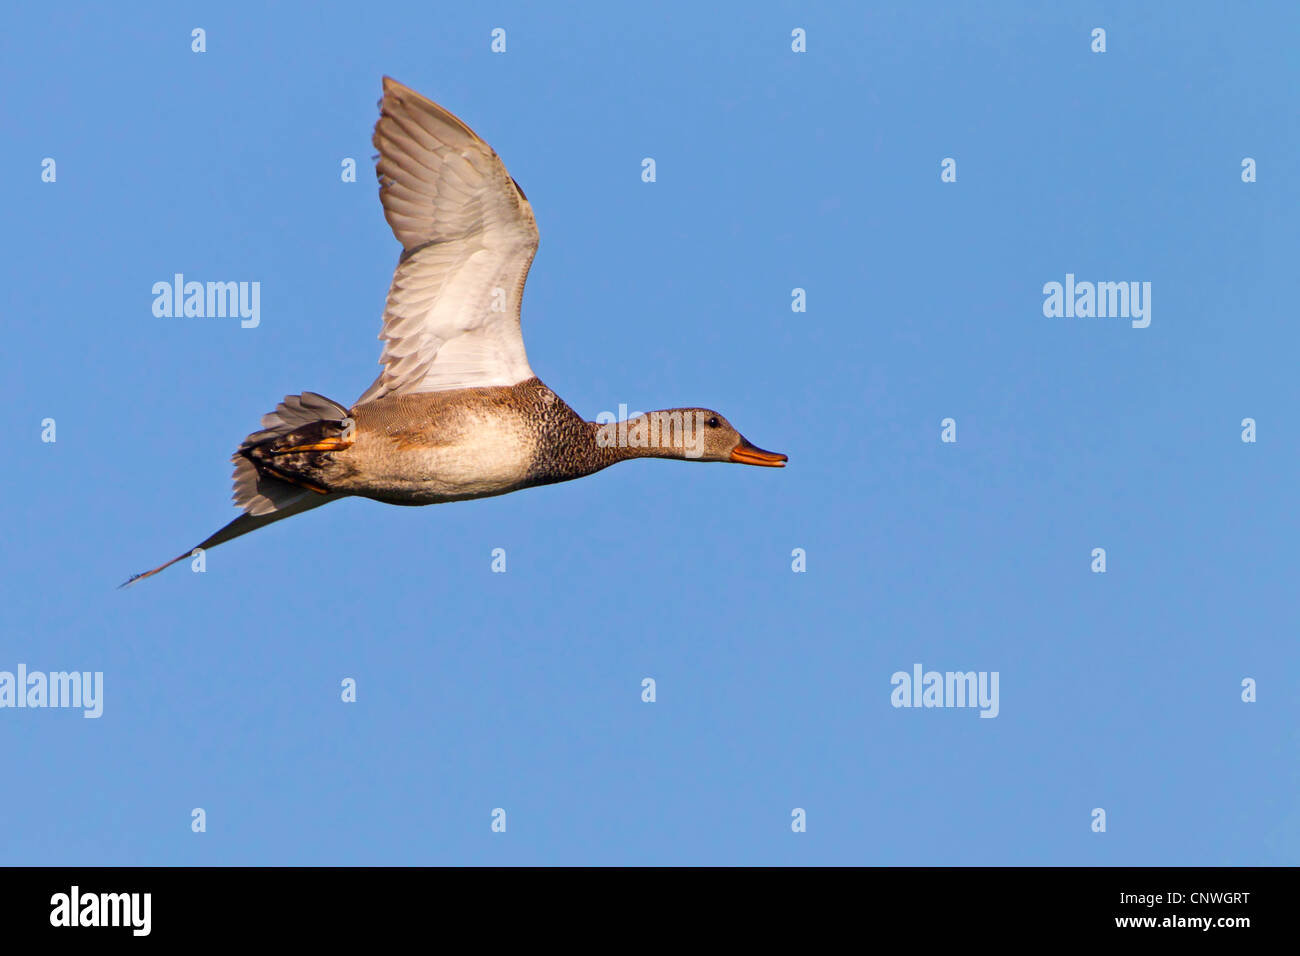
(457, 412)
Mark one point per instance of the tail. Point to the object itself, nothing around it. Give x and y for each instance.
(266, 498)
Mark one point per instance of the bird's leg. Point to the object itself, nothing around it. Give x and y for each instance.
(325, 444)
(316, 441)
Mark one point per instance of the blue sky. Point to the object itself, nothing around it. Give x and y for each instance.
(775, 171)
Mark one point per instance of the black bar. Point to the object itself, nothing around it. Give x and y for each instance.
(375, 904)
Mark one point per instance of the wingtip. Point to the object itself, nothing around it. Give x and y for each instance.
(395, 86)
(399, 98)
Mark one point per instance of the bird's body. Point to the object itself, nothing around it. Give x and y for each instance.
(457, 412)
(447, 446)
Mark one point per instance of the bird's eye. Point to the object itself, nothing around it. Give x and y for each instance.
(712, 422)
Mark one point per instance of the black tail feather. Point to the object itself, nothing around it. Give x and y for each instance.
(240, 526)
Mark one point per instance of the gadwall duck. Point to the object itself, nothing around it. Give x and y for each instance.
(457, 412)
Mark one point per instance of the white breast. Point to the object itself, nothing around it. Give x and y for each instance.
(491, 456)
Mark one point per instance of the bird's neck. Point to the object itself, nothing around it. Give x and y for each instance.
(571, 447)
(661, 434)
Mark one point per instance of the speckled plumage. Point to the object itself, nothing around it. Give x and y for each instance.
(445, 446)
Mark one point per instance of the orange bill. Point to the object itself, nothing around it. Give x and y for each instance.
(748, 454)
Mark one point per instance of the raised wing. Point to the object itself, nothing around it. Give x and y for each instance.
(468, 237)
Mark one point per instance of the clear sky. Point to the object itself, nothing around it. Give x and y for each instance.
(775, 171)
